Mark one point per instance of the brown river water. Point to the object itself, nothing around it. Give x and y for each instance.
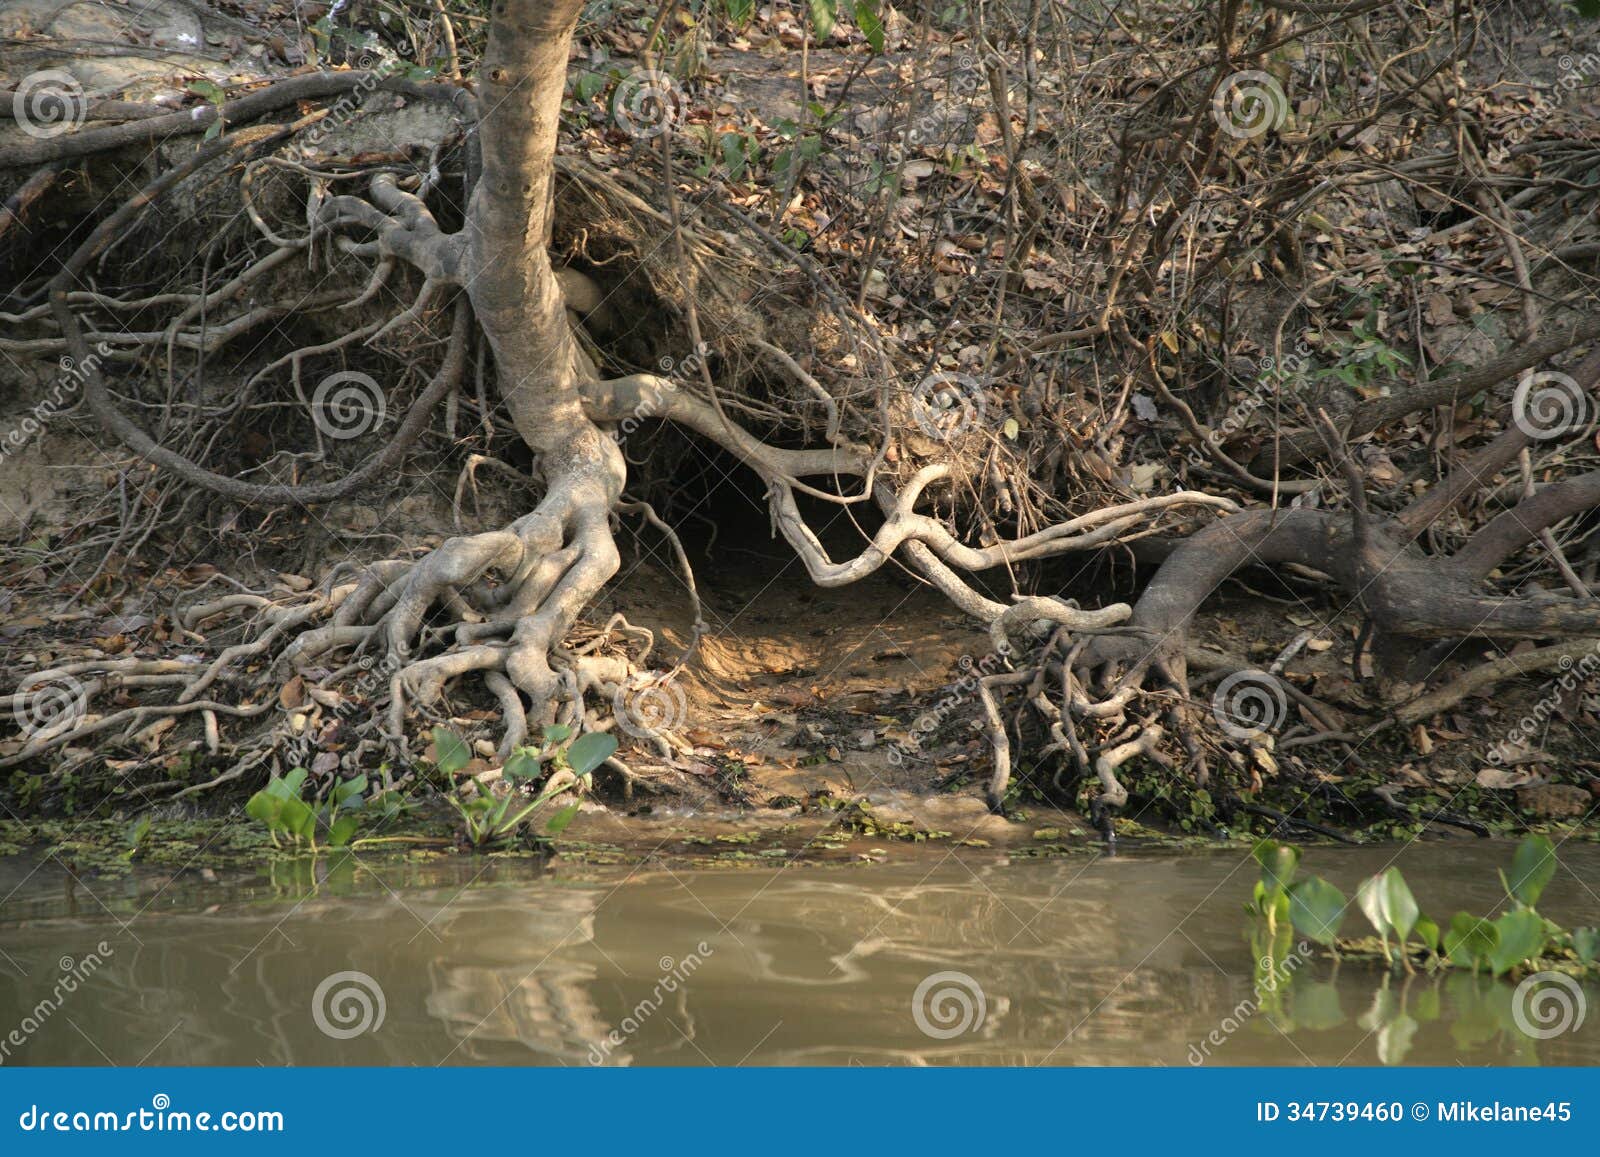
(931, 958)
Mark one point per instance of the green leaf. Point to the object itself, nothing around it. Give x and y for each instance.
(1520, 935)
(1429, 932)
(138, 830)
(740, 11)
(1586, 941)
(558, 822)
(208, 91)
(348, 792)
(590, 751)
(451, 750)
(265, 808)
(870, 23)
(823, 15)
(1399, 905)
(1471, 939)
(287, 786)
(1316, 908)
(1370, 899)
(1278, 863)
(557, 732)
(1532, 868)
(299, 819)
(523, 765)
(343, 828)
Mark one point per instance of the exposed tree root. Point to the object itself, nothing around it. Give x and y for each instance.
(1110, 686)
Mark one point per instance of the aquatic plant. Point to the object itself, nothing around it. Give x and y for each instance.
(488, 820)
(1519, 938)
(338, 813)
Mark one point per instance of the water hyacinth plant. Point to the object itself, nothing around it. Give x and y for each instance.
(1519, 939)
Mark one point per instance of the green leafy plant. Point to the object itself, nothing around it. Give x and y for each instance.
(213, 94)
(1364, 358)
(337, 814)
(489, 821)
(137, 831)
(1517, 938)
(1387, 903)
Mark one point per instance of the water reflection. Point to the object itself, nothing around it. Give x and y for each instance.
(1136, 961)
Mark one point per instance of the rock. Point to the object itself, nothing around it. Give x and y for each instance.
(1555, 801)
